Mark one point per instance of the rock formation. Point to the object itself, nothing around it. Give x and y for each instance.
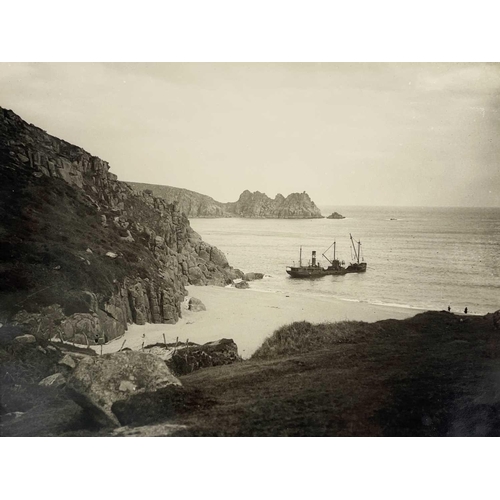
(97, 383)
(190, 357)
(82, 254)
(251, 205)
(294, 206)
(335, 215)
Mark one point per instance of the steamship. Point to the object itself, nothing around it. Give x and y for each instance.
(315, 270)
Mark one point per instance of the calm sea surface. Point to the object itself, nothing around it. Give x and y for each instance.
(427, 258)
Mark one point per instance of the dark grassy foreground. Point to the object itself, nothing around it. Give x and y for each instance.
(435, 374)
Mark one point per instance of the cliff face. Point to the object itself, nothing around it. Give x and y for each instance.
(252, 205)
(188, 202)
(82, 254)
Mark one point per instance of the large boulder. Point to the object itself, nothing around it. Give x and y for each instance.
(99, 383)
(196, 305)
(25, 339)
(193, 357)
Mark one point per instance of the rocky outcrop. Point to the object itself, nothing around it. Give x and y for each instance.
(259, 205)
(251, 205)
(98, 383)
(335, 215)
(82, 254)
(253, 276)
(192, 357)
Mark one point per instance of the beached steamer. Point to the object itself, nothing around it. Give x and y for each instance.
(315, 270)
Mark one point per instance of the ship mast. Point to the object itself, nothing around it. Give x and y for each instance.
(331, 262)
(300, 257)
(356, 254)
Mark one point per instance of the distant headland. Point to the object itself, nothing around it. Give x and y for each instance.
(249, 205)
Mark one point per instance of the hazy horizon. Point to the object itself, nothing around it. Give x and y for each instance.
(388, 134)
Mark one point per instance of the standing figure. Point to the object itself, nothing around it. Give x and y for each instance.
(449, 308)
(465, 310)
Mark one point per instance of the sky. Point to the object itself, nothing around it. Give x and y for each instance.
(379, 134)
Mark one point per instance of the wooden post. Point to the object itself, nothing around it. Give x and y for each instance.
(142, 346)
(164, 340)
(122, 345)
(101, 349)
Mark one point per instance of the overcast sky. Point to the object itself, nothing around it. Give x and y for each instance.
(348, 134)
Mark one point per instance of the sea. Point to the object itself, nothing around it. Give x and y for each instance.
(421, 258)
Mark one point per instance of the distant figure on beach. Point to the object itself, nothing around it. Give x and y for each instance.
(449, 308)
(465, 310)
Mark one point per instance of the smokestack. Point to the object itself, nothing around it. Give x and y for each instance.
(314, 258)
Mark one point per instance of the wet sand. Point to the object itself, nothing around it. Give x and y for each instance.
(249, 316)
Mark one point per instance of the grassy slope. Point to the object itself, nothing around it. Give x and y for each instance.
(430, 375)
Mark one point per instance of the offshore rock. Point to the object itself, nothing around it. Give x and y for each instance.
(335, 215)
(98, 383)
(259, 205)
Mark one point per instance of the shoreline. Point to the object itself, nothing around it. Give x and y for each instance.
(249, 316)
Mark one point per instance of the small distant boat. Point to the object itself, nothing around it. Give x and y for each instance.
(315, 270)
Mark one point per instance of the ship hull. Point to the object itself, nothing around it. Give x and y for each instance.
(310, 272)
(357, 268)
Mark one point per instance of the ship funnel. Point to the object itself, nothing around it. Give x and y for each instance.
(314, 258)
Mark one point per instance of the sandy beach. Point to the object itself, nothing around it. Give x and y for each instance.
(249, 316)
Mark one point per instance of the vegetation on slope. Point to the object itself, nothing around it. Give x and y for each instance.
(430, 375)
(47, 227)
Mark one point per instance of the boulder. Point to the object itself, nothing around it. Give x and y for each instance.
(25, 339)
(98, 383)
(193, 357)
(241, 284)
(253, 276)
(55, 380)
(196, 305)
(68, 361)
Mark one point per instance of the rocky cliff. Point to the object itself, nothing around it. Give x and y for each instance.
(188, 202)
(294, 206)
(252, 205)
(82, 254)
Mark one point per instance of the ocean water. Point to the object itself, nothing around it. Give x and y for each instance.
(424, 258)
